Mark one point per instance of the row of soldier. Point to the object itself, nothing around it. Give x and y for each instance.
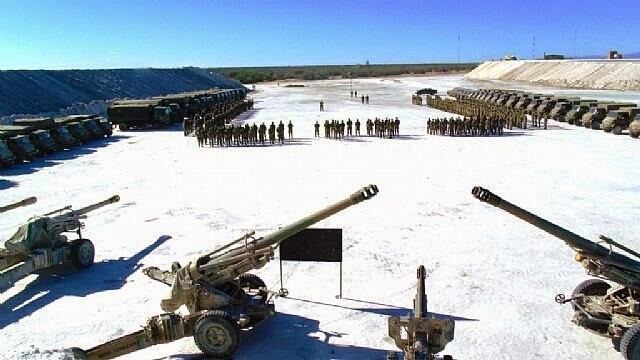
(335, 129)
(480, 110)
(242, 135)
(220, 115)
(363, 98)
(467, 126)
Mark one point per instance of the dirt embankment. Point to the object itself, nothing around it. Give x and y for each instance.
(50, 91)
(589, 74)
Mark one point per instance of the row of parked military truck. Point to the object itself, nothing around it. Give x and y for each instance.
(28, 138)
(610, 116)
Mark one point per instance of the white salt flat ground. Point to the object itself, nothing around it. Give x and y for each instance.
(496, 275)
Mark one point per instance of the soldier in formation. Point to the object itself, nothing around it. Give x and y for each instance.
(316, 128)
(387, 127)
(241, 135)
(480, 112)
(466, 126)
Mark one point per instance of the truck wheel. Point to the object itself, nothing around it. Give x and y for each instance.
(82, 253)
(617, 130)
(216, 334)
(630, 343)
(251, 281)
(634, 135)
(123, 127)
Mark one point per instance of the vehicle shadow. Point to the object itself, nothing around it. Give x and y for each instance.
(57, 157)
(103, 276)
(288, 336)
(5, 184)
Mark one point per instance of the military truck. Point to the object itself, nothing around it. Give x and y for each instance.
(561, 107)
(41, 139)
(634, 127)
(574, 115)
(93, 128)
(74, 127)
(7, 158)
(618, 120)
(105, 125)
(593, 119)
(59, 133)
(20, 145)
(139, 114)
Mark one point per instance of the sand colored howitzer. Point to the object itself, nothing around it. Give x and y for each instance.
(609, 311)
(417, 335)
(221, 296)
(41, 243)
(26, 202)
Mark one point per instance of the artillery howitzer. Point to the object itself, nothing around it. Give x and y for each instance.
(424, 337)
(40, 243)
(26, 202)
(609, 311)
(221, 296)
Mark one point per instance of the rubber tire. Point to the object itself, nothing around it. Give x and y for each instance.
(251, 281)
(630, 343)
(82, 253)
(591, 287)
(634, 135)
(617, 130)
(224, 322)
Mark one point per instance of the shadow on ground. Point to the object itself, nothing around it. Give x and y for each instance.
(5, 184)
(287, 336)
(60, 156)
(102, 276)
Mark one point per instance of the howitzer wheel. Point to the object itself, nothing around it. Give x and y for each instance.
(82, 253)
(630, 343)
(216, 334)
(591, 287)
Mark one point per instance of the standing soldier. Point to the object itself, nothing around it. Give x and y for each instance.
(351, 93)
(290, 127)
(357, 127)
(254, 134)
(281, 132)
(272, 133)
(261, 131)
(362, 99)
(321, 105)
(327, 130)
(355, 93)
(349, 127)
(397, 126)
(366, 99)
(316, 128)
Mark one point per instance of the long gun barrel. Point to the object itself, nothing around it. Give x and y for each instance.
(577, 242)
(420, 301)
(21, 203)
(225, 263)
(87, 209)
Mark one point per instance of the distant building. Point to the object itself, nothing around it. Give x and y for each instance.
(614, 55)
(553, 56)
(509, 57)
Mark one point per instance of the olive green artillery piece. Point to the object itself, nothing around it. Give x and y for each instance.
(418, 336)
(609, 311)
(40, 243)
(26, 202)
(221, 296)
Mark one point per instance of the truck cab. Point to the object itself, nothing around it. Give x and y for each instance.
(594, 118)
(634, 127)
(94, 130)
(533, 105)
(78, 131)
(6, 155)
(63, 137)
(43, 141)
(618, 120)
(20, 146)
(105, 125)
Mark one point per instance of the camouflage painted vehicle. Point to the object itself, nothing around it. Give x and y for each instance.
(606, 310)
(20, 145)
(74, 127)
(7, 158)
(523, 103)
(106, 126)
(419, 336)
(26, 202)
(93, 128)
(41, 139)
(58, 133)
(138, 114)
(634, 127)
(593, 119)
(220, 294)
(574, 116)
(562, 107)
(41, 243)
(618, 120)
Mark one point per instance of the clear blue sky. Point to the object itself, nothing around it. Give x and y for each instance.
(37, 34)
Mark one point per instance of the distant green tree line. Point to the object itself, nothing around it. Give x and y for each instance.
(251, 75)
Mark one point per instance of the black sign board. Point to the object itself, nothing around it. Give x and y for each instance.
(322, 245)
